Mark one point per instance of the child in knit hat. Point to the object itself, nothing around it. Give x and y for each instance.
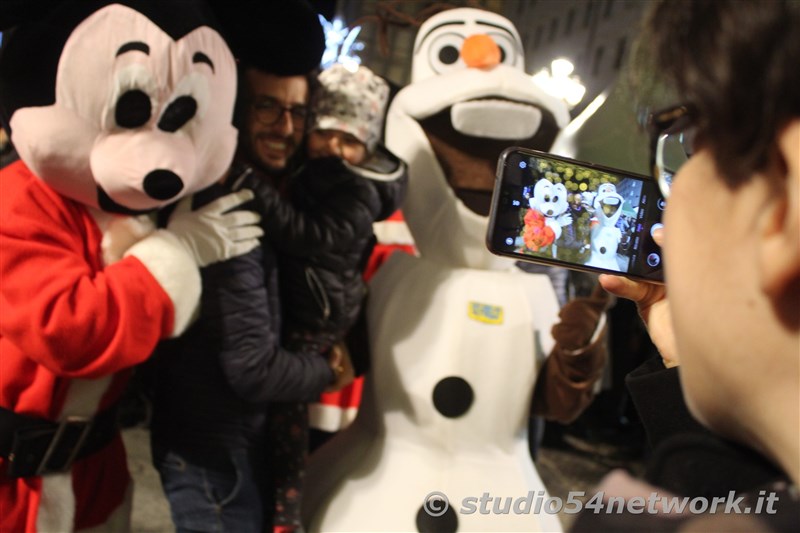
(321, 229)
(347, 109)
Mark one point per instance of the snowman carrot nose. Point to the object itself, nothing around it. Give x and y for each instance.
(480, 51)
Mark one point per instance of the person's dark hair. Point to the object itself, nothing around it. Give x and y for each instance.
(243, 101)
(737, 62)
(243, 96)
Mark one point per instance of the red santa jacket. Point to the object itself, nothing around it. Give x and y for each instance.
(69, 328)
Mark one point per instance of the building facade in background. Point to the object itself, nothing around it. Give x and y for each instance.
(594, 35)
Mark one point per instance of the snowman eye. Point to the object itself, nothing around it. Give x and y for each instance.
(444, 53)
(508, 47)
(448, 55)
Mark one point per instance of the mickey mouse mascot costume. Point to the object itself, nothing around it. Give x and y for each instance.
(116, 109)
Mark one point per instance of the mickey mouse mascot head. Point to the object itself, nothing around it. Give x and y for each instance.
(116, 109)
(550, 199)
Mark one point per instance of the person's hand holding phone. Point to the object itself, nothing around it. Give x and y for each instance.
(651, 300)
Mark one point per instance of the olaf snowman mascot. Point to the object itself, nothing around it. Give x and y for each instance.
(116, 109)
(605, 236)
(457, 335)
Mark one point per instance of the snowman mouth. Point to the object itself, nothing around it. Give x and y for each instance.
(494, 118)
(610, 206)
(468, 157)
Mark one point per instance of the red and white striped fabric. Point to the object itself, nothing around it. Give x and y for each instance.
(336, 410)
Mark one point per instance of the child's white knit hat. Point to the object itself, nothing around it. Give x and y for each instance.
(350, 100)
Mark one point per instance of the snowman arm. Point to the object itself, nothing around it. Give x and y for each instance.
(566, 382)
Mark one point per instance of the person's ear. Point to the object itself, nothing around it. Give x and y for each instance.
(779, 254)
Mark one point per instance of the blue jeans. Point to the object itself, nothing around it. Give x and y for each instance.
(219, 493)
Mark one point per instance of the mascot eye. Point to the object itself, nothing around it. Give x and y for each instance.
(508, 47)
(131, 103)
(555, 199)
(178, 113)
(133, 109)
(448, 55)
(444, 53)
(190, 101)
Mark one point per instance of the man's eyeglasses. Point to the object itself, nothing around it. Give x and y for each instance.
(672, 138)
(269, 111)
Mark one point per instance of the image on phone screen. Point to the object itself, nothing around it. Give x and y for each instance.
(558, 211)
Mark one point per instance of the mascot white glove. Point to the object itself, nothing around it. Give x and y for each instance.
(215, 233)
(195, 239)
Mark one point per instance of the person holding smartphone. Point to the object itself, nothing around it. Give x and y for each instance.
(727, 321)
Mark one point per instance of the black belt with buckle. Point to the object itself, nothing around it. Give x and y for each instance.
(35, 446)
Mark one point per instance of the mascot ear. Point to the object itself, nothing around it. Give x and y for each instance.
(284, 38)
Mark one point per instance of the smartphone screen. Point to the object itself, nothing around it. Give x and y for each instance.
(558, 211)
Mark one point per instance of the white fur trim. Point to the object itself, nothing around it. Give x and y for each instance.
(392, 232)
(119, 521)
(122, 233)
(330, 417)
(175, 270)
(57, 508)
(84, 395)
(57, 505)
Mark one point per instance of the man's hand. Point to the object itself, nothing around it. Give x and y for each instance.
(651, 300)
(214, 232)
(339, 361)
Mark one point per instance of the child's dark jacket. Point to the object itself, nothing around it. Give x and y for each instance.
(323, 236)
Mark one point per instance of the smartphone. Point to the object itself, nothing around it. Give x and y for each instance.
(561, 212)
